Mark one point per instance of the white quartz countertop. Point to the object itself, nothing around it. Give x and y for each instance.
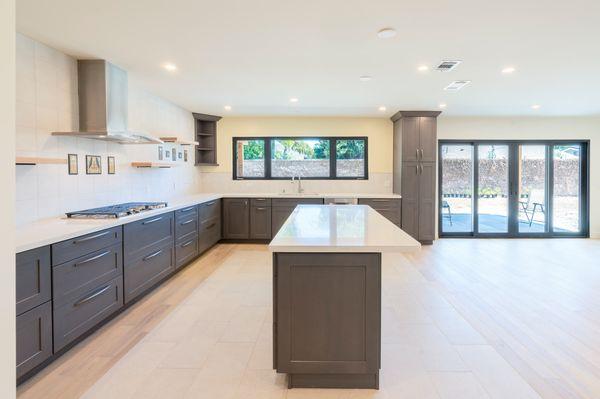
(53, 230)
(340, 228)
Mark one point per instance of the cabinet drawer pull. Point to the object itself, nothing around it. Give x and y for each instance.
(210, 226)
(191, 208)
(92, 296)
(260, 199)
(187, 222)
(152, 220)
(85, 239)
(261, 209)
(380, 200)
(187, 243)
(83, 262)
(152, 255)
(211, 203)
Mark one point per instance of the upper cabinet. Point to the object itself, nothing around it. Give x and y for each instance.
(206, 136)
(419, 135)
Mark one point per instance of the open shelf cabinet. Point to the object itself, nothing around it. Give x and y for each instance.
(206, 137)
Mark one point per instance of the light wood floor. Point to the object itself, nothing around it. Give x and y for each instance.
(461, 319)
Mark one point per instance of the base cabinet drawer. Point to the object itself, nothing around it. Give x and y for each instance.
(70, 249)
(140, 236)
(74, 278)
(209, 210)
(186, 227)
(210, 234)
(185, 250)
(33, 278)
(142, 273)
(34, 338)
(79, 316)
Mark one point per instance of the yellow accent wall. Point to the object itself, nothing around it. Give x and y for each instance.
(378, 130)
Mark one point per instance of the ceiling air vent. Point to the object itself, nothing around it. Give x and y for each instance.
(446, 66)
(457, 85)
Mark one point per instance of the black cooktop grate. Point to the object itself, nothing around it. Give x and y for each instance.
(118, 210)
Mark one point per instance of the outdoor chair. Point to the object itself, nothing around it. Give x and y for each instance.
(535, 200)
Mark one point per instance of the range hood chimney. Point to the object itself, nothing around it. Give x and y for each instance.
(103, 105)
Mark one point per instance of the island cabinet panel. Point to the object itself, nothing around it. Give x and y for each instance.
(236, 218)
(83, 313)
(74, 248)
(34, 338)
(143, 236)
(33, 281)
(327, 317)
(388, 207)
(260, 222)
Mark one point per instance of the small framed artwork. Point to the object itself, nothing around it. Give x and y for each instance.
(179, 155)
(93, 165)
(73, 164)
(174, 154)
(111, 165)
(160, 153)
(185, 155)
(167, 154)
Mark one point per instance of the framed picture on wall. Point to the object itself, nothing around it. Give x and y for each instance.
(73, 164)
(174, 154)
(111, 165)
(93, 165)
(160, 153)
(185, 155)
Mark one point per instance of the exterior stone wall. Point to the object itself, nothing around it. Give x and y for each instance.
(306, 167)
(457, 175)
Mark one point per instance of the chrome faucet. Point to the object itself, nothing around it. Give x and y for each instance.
(300, 189)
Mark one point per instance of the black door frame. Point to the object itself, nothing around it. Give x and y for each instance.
(513, 214)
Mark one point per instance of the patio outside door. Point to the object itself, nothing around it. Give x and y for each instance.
(513, 189)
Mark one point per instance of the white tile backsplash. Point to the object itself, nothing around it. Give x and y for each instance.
(46, 102)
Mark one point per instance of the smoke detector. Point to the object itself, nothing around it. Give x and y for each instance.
(457, 85)
(447, 66)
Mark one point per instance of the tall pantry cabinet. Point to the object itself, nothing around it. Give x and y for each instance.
(415, 154)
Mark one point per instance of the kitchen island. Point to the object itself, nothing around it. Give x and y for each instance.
(327, 294)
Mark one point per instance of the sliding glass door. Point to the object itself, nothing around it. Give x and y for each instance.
(513, 189)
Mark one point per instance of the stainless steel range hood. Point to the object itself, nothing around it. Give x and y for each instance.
(103, 105)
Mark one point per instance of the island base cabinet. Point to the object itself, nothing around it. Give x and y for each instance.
(82, 314)
(327, 319)
(34, 338)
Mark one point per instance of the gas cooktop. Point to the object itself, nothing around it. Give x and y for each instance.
(116, 211)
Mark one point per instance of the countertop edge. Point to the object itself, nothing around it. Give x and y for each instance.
(95, 225)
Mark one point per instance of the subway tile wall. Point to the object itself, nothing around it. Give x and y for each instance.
(47, 101)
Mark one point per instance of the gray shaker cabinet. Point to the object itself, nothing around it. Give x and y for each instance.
(34, 338)
(236, 218)
(260, 222)
(33, 281)
(415, 153)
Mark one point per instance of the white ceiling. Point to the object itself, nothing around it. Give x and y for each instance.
(255, 55)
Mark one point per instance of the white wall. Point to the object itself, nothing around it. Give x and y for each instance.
(47, 101)
(7, 180)
(378, 130)
(535, 128)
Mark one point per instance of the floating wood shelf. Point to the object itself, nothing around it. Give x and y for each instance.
(39, 161)
(207, 164)
(205, 148)
(152, 165)
(177, 140)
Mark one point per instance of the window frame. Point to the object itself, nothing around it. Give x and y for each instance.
(332, 157)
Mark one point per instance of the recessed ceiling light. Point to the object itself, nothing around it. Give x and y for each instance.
(227, 107)
(536, 106)
(422, 68)
(382, 108)
(365, 78)
(442, 105)
(386, 33)
(293, 100)
(170, 67)
(508, 70)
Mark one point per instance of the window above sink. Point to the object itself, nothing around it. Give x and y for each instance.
(324, 158)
